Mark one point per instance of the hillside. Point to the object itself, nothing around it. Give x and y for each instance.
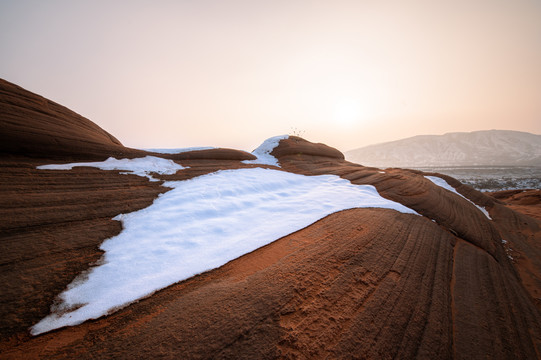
(446, 272)
(485, 148)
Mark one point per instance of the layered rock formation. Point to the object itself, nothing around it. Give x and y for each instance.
(361, 283)
(37, 127)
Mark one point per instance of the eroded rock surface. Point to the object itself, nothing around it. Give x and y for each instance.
(361, 283)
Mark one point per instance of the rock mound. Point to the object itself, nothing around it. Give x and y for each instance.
(211, 154)
(33, 126)
(296, 146)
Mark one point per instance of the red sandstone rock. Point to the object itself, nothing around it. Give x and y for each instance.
(362, 283)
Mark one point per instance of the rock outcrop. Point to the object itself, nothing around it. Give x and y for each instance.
(33, 126)
(361, 283)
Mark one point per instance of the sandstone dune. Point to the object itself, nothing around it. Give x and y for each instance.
(361, 283)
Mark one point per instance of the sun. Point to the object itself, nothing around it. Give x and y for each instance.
(346, 112)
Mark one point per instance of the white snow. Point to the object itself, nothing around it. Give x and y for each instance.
(140, 166)
(263, 152)
(179, 150)
(444, 184)
(201, 224)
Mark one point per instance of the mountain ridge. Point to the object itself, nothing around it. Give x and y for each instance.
(477, 148)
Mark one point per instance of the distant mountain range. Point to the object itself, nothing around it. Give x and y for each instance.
(478, 148)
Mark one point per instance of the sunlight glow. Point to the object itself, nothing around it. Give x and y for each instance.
(230, 73)
(347, 112)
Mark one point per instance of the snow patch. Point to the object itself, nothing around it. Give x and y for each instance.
(263, 152)
(201, 224)
(179, 150)
(444, 184)
(140, 166)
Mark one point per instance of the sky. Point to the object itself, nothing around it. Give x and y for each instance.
(348, 73)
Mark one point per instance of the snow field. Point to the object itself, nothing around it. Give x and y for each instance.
(201, 224)
(444, 184)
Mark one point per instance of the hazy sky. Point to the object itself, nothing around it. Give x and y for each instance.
(233, 73)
